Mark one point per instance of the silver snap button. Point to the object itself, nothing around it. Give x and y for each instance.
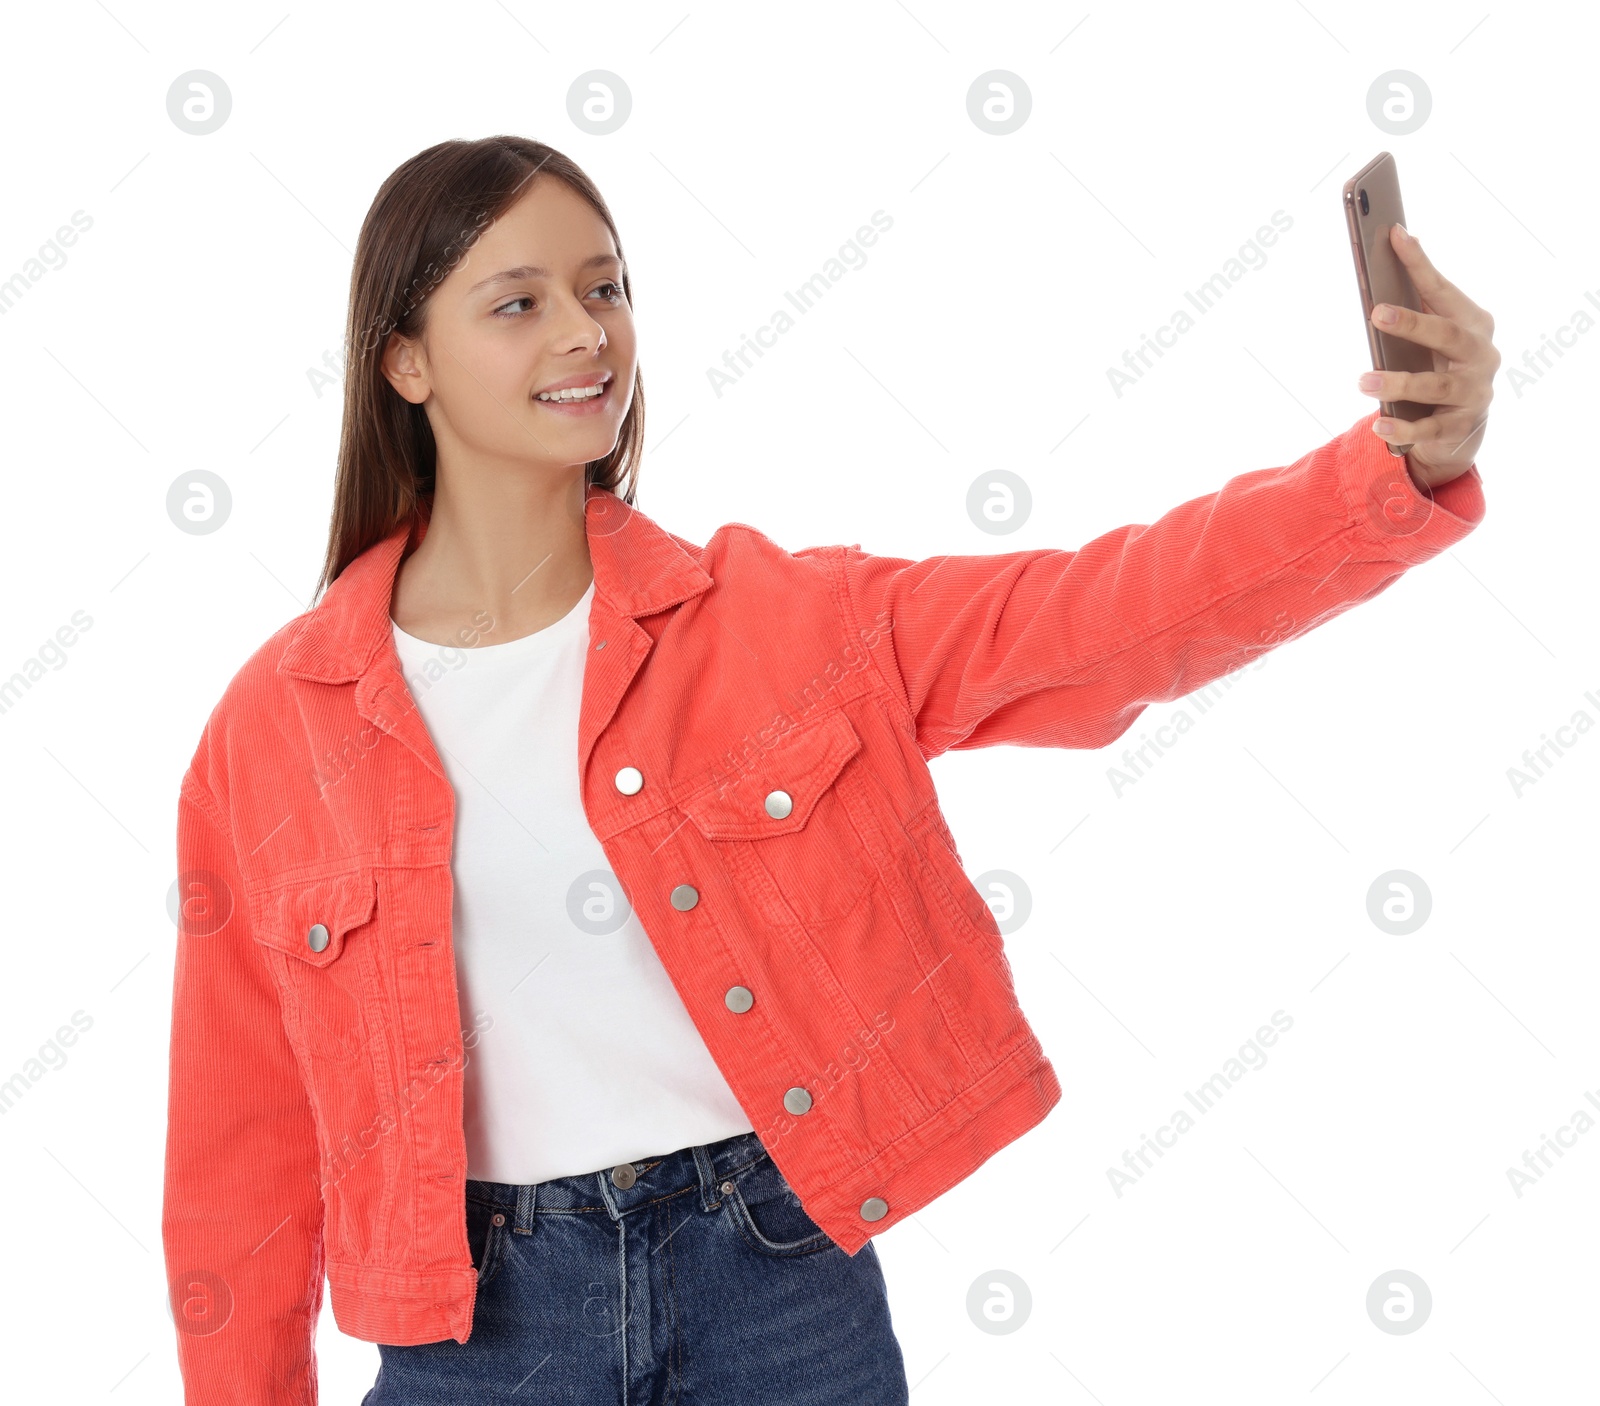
(624, 1175)
(738, 1000)
(684, 897)
(797, 1101)
(629, 780)
(499, 1219)
(779, 804)
(727, 1188)
(874, 1208)
(317, 938)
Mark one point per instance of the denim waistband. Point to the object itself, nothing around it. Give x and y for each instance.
(704, 1165)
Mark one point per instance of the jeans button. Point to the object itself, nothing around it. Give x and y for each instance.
(624, 1175)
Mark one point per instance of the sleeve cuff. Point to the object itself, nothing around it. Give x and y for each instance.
(1401, 521)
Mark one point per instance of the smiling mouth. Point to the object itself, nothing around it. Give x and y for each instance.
(577, 395)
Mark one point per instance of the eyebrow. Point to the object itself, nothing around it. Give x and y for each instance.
(523, 271)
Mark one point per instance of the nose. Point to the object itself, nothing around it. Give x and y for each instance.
(575, 328)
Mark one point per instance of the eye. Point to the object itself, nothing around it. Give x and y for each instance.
(611, 291)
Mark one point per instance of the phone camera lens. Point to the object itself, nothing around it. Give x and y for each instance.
(1365, 208)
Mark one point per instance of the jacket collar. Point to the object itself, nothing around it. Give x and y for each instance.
(639, 568)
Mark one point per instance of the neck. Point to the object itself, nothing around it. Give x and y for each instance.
(496, 561)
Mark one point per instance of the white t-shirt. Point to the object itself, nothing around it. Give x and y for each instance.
(586, 1056)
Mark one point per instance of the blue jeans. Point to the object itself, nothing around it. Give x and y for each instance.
(704, 1283)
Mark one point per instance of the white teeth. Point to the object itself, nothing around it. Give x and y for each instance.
(575, 393)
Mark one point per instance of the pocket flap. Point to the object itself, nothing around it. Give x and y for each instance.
(284, 917)
(795, 772)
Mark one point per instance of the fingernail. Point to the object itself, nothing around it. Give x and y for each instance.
(1383, 427)
(1404, 232)
(1370, 381)
(1385, 314)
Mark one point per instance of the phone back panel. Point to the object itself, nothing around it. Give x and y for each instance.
(1383, 277)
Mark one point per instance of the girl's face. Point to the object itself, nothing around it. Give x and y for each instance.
(535, 306)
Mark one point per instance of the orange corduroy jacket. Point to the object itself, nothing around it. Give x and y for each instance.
(782, 834)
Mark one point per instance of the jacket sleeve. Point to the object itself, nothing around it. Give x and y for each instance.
(241, 1221)
(1055, 648)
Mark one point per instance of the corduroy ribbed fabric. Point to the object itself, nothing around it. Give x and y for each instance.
(781, 708)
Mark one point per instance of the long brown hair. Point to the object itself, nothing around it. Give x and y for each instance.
(424, 219)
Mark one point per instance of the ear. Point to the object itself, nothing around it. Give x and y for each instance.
(405, 367)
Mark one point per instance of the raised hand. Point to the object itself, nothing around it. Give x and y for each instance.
(1459, 333)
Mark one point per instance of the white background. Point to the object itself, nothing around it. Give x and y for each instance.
(1229, 883)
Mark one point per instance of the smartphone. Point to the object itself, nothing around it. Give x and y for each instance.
(1371, 206)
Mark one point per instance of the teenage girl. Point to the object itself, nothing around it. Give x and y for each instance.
(554, 879)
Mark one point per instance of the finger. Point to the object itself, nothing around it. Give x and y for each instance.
(1428, 329)
(1440, 292)
(1421, 387)
(1430, 430)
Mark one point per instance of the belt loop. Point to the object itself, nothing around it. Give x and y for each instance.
(710, 1196)
(526, 1198)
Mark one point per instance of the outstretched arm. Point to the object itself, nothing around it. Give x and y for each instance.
(1057, 648)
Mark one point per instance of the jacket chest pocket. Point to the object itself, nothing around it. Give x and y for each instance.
(317, 935)
(788, 812)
